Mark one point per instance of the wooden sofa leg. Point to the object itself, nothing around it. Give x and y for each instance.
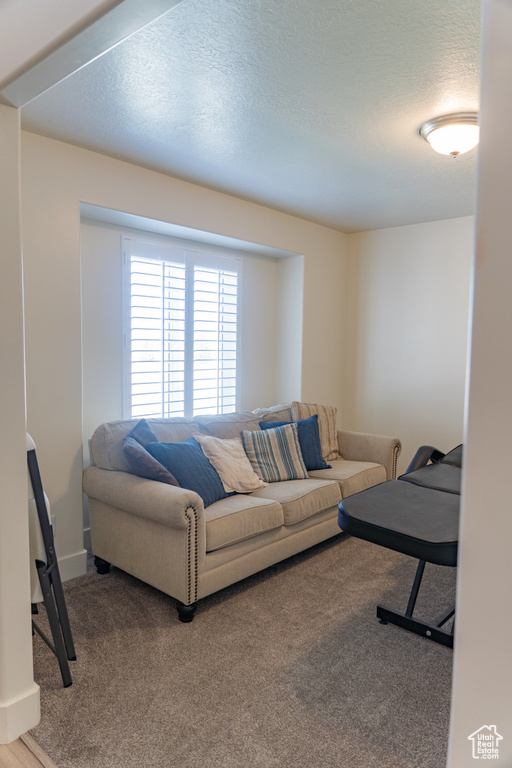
(102, 566)
(185, 612)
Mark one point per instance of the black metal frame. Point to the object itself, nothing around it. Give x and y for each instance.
(51, 585)
(406, 621)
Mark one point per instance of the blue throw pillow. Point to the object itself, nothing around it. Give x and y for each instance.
(309, 440)
(192, 470)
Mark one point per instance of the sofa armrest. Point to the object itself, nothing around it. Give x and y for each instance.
(359, 446)
(165, 504)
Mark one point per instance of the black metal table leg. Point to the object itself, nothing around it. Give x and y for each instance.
(406, 620)
(415, 588)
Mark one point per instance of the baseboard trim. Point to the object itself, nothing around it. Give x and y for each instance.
(72, 566)
(19, 715)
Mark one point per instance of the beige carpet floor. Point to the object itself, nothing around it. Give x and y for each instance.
(288, 669)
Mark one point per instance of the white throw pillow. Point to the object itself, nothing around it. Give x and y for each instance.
(231, 463)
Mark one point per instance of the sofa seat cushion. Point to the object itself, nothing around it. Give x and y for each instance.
(352, 476)
(301, 499)
(240, 517)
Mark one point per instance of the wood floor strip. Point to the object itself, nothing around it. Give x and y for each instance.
(25, 752)
(36, 750)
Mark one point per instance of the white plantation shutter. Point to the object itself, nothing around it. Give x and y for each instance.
(181, 330)
(215, 340)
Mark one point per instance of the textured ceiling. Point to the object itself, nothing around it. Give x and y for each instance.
(308, 107)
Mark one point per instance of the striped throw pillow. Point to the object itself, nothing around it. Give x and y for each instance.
(275, 453)
(326, 425)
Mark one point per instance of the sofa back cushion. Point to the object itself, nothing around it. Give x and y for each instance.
(107, 441)
(106, 447)
(281, 412)
(228, 424)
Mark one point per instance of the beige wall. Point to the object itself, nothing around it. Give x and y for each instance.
(289, 326)
(101, 327)
(407, 306)
(55, 178)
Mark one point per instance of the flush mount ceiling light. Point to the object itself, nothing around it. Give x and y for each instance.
(452, 134)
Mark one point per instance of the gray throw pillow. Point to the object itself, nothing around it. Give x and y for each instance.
(143, 433)
(142, 463)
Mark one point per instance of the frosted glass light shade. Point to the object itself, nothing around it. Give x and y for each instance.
(453, 134)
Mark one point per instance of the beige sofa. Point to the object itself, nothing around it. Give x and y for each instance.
(164, 535)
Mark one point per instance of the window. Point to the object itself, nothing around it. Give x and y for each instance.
(181, 330)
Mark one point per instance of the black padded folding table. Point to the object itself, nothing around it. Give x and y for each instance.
(418, 515)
